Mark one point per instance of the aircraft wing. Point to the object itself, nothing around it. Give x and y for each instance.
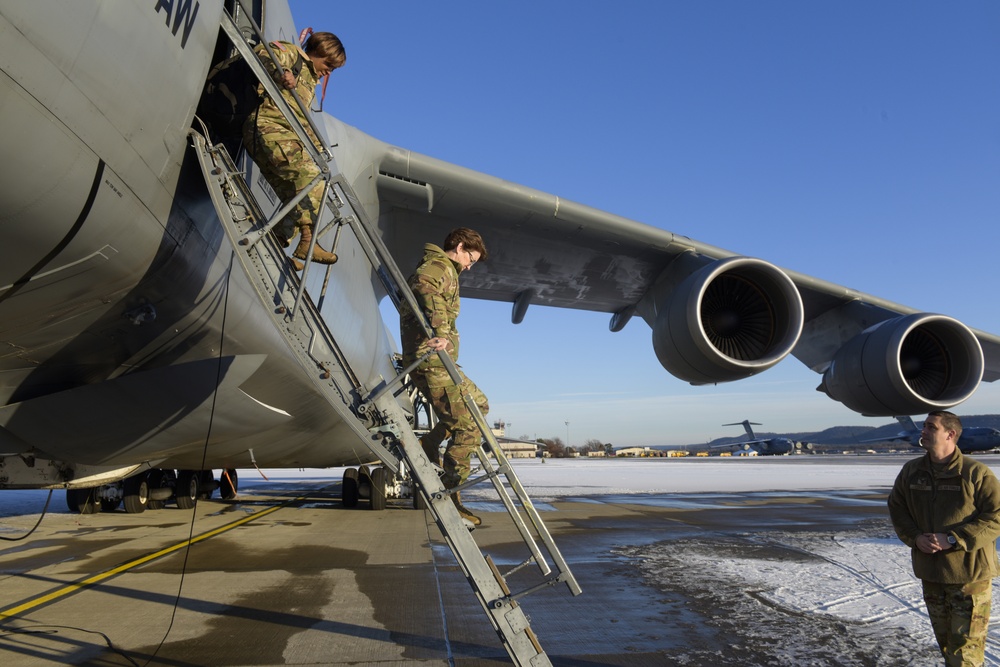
(738, 445)
(716, 316)
(902, 437)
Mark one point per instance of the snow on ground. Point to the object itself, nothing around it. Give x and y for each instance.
(573, 477)
(781, 596)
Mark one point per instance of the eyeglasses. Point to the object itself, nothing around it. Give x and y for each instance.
(472, 260)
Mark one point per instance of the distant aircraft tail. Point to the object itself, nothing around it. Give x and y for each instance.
(746, 426)
(910, 430)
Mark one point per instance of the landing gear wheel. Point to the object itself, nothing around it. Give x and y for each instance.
(83, 501)
(136, 494)
(159, 479)
(229, 483)
(377, 493)
(110, 505)
(349, 492)
(188, 483)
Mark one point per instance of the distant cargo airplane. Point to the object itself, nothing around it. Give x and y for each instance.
(973, 438)
(135, 346)
(764, 446)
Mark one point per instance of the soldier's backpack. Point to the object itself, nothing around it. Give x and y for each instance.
(231, 96)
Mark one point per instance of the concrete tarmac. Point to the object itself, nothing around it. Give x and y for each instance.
(287, 576)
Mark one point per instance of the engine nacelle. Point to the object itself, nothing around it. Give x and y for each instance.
(728, 320)
(906, 366)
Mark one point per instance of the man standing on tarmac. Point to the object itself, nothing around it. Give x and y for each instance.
(946, 508)
(435, 286)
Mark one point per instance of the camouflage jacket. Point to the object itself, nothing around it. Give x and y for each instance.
(268, 116)
(962, 498)
(435, 286)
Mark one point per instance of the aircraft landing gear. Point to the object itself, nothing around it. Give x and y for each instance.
(376, 488)
(161, 488)
(377, 485)
(188, 488)
(229, 484)
(136, 493)
(83, 501)
(349, 493)
(151, 489)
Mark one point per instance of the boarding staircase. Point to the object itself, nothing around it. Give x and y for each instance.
(376, 415)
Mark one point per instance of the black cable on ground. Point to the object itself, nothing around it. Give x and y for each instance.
(37, 523)
(38, 630)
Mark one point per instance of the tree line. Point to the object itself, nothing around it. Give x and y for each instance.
(556, 448)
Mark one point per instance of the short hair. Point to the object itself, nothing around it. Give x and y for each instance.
(328, 47)
(469, 238)
(949, 420)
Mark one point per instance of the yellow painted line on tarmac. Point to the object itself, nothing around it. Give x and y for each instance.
(97, 578)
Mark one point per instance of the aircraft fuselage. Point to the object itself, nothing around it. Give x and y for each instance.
(128, 335)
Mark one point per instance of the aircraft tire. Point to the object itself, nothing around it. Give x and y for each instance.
(158, 479)
(136, 494)
(229, 484)
(377, 493)
(83, 501)
(349, 488)
(186, 493)
(110, 505)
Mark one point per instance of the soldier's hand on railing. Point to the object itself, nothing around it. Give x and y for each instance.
(438, 343)
(287, 79)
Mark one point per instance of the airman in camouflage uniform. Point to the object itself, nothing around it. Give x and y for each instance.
(946, 508)
(435, 286)
(276, 148)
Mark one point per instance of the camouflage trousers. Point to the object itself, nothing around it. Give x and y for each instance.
(454, 420)
(960, 614)
(288, 169)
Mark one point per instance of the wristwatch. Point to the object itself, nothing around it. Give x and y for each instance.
(951, 540)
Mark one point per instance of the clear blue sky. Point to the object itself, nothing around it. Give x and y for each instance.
(853, 141)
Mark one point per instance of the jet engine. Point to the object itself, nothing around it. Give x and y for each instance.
(905, 366)
(728, 320)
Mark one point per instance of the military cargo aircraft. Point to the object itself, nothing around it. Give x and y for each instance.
(136, 353)
(764, 446)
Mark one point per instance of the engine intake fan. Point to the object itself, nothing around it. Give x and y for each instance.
(728, 320)
(906, 366)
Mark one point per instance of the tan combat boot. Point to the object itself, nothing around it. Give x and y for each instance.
(463, 511)
(320, 256)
